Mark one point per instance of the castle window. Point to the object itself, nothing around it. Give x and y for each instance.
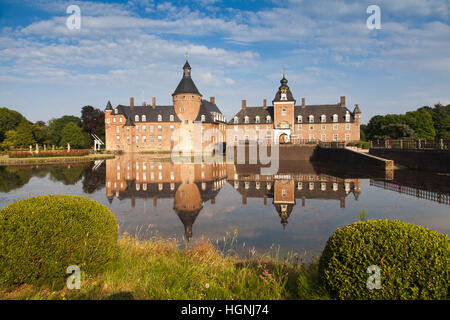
(246, 119)
(159, 139)
(171, 117)
(107, 120)
(171, 128)
(347, 117)
(299, 127)
(268, 119)
(324, 127)
(114, 120)
(143, 129)
(181, 110)
(151, 129)
(120, 119)
(299, 119)
(335, 118)
(283, 111)
(137, 139)
(236, 120)
(118, 139)
(152, 139)
(137, 129)
(144, 139)
(257, 119)
(335, 137)
(323, 118)
(347, 126)
(136, 118)
(159, 128)
(117, 129)
(311, 119)
(144, 118)
(347, 137)
(283, 193)
(159, 117)
(203, 118)
(186, 121)
(335, 127)
(323, 137)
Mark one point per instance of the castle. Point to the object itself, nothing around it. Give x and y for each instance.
(193, 123)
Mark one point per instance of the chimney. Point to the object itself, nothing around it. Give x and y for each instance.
(303, 102)
(144, 104)
(342, 101)
(244, 104)
(265, 103)
(131, 102)
(154, 102)
(212, 100)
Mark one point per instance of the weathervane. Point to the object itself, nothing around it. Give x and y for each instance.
(284, 72)
(186, 55)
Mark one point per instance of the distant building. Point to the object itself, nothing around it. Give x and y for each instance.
(285, 121)
(151, 127)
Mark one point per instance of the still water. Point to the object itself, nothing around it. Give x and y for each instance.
(296, 210)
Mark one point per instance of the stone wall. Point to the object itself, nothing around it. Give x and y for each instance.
(426, 160)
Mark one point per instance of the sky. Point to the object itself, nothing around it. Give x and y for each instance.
(237, 50)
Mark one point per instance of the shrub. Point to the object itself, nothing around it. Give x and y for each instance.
(364, 144)
(413, 261)
(41, 236)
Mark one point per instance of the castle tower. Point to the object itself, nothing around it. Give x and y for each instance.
(357, 115)
(283, 105)
(186, 101)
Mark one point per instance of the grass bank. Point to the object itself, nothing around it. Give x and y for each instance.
(5, 160)
(159, 269)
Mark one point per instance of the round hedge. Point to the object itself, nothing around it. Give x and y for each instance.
(413, 261)
(40, 237)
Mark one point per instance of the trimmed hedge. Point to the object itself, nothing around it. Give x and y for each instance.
(48, 154)
(41, 236)
(413, 261)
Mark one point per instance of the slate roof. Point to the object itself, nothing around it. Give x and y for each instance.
(316, 110)
(108, 106)
(150, 113)
(284, 86)
(207, 108)
(186, 84)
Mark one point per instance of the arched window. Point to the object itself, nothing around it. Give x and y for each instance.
(159, 117)
(323, 118)
(136, 118)
(311, 119)
(246, 119)
(144, 118)
(268, 119)
(171, 117)
(236, 120)
(203, 118)
(257, 119)
(335, 118)
(299, 119)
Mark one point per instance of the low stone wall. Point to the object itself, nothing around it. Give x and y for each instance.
(347, 157)
(53, 160)
(425, 160)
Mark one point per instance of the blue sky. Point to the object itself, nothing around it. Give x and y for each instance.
(237, 50)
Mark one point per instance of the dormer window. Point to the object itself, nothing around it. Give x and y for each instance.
(236, 120)
(347, 117)
(323, 118)
(268, 119)
(203, 118)
(136, 118)
(171, 117)
(257, 119)
(246, 119)
(159, 117)
(335, 118)
(299, 119)
(144, 118)
(311, 119)
(116, 111)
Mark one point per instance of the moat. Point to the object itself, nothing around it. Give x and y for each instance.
(296, 210)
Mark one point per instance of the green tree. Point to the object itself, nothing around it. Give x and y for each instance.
(9, 120)
(74, 135)
(10, 140)
(422, 123)
(398, 131)
(24, 135)
(93, 121)
(56, 126)
(40, 133)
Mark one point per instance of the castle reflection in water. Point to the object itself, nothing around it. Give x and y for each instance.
(191, 185)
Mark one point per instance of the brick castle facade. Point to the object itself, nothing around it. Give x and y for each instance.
(193, 123)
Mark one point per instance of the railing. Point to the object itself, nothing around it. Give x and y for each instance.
(411, 191)
(332, 144)
(411, 144)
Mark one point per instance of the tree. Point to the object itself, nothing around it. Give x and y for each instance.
(398, 131)
(74, 135)
(10, 140)
(422, 123)
(93, 121)
(56, 126)
(9, 120)
(40, 133)
(24, 135)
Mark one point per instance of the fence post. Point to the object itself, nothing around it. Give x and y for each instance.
(441, 144)
(401, 144)
(419, 145)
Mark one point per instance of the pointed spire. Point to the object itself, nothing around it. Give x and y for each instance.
(186, 84)
(356, 110)
(108, 106)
